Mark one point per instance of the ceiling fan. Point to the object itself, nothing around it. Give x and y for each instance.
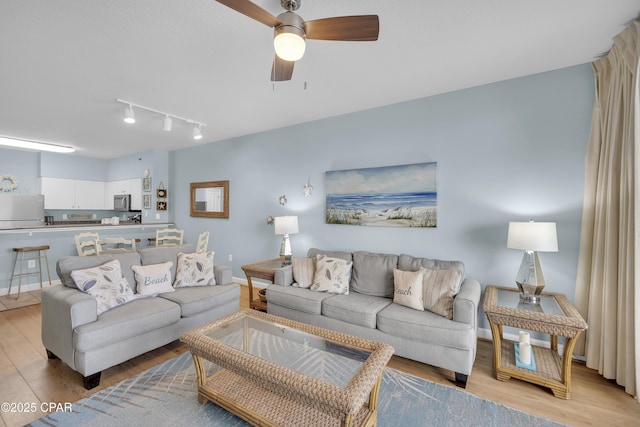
(291, 31)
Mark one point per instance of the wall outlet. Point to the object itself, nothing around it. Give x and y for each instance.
(146, 214)
(230, 258)
(94, 216)
(157, 216)
(64, 216)
(32, 263)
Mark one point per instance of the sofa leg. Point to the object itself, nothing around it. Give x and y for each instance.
(50, 355)
(461, 380)
(91, 381)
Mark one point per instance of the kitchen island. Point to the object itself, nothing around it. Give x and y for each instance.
(60, 237)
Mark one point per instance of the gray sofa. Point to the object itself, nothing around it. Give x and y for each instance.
(419, 335)
(90, 343)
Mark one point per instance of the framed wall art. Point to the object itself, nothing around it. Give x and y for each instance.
(161, 205)
(146, 201)
(146, 184)
(391, 196)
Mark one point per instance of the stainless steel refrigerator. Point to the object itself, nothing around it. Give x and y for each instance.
(21, 210)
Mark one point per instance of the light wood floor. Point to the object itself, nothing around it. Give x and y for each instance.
(27, 376)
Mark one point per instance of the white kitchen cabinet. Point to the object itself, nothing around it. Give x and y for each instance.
(136, 194)
(60, 193)
(124, 186)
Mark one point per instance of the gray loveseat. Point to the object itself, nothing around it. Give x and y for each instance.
(419, 335)
(89, 343)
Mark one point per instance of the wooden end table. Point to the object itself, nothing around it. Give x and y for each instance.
(554, 316)
(260, 270)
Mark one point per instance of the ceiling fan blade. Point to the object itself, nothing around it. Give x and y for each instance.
(281, 70)
(252, 10)
(345, 28)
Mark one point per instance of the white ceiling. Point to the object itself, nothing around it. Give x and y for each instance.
(64, 62)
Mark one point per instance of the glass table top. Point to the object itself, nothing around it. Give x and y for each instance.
(296, 350)
(511, 299)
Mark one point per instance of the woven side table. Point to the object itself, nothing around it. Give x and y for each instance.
(554, 316)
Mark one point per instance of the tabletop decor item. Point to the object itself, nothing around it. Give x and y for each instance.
(531, 237)
(285, 225)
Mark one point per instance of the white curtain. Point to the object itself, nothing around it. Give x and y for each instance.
(607, 287)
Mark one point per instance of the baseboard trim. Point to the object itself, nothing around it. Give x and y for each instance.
(27, 287)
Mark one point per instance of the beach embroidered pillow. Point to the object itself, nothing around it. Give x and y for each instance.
(408, 288)
(332, 275)
(303, 271)
(105, 283)
(195, 269)
(153, 279)
(439, 287)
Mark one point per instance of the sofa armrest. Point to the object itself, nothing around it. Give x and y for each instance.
(283, 276)
(64, 309)
(223, 274)
(466, 303)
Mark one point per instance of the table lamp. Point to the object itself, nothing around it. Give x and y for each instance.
(286, 225)
(531, 237)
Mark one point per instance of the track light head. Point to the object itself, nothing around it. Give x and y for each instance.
(166, 124)
(129, 117)
(197, 134)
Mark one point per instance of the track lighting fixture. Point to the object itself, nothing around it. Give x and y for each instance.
(129, 117)
(166, 124)
(197, 135)
(167, 121)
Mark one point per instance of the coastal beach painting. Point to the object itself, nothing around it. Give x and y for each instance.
(389, 196)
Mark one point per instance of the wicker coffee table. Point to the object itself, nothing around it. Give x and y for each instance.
(554, 316)
(272, 371)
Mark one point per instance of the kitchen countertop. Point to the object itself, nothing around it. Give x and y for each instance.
(84, 225)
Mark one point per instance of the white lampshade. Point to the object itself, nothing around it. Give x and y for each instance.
(533, 236)
(286, 224)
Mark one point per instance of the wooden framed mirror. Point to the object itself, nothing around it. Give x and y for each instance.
(210, 199)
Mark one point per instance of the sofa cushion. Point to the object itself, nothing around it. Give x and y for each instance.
(408, 288)
(439, 288)
(410, 263)
(296, 298)
(153, 279)
(125, 321)
(195, 300)
(355, 309)
(373, 273)
(313, 252)
(160, 254)
(304, 270)
(66, 265)
(105, 283)
(425, 326)
(194, 269)
(332, 275)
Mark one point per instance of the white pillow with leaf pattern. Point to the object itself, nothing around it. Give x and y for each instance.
(194, 269)
(105, 283)
(332, 275)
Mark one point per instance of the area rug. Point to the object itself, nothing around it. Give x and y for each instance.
(166, 395)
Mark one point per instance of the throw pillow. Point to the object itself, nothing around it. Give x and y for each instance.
(439, 287)
(408, 288)
(194, 269)
(303, 271)
(153, 279)
(332, 275)
(105, 283)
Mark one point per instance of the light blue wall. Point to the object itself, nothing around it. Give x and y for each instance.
(508, 151)
(55, 165)
(23, 166)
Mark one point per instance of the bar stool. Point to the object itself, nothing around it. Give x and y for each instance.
(41, 253)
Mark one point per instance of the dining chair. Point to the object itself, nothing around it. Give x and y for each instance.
(203, 242)
(169, 237)
(86, 243)
(116, 245)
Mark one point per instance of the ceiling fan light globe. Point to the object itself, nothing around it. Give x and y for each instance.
(289, 44)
